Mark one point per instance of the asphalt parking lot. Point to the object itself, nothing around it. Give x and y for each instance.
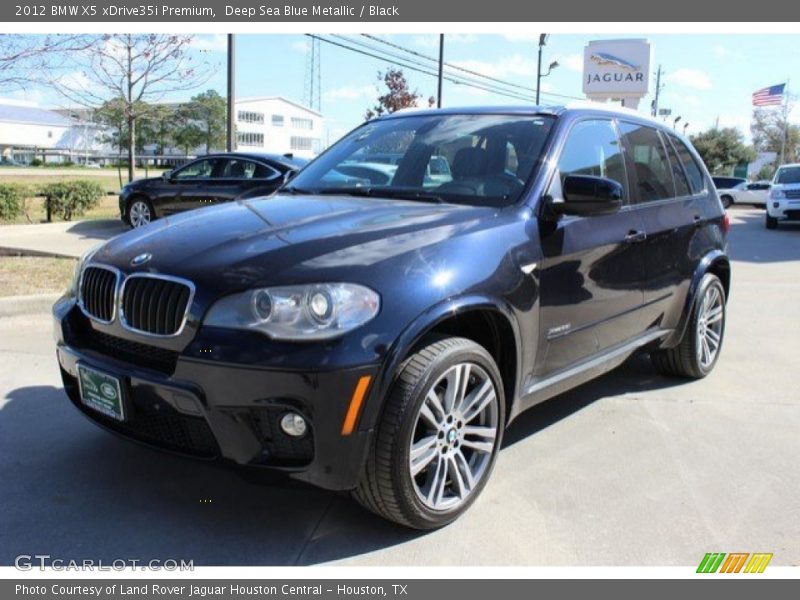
(631, 469)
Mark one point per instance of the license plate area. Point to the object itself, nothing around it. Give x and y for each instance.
(101, 392)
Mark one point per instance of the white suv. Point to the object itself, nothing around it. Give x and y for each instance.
(784, 197)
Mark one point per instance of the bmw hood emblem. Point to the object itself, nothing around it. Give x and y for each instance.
(141, 259)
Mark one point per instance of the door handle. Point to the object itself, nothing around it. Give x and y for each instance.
(635, 236)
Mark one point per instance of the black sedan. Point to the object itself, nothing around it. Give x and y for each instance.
(210, 179)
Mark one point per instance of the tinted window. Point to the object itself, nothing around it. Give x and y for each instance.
(693, 171)
(199, 169)
(592, 148)
(788, 175)
(652, 169)
(681, 184)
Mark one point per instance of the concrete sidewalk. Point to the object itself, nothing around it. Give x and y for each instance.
(69, 239)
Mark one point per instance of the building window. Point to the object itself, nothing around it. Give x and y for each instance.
(303, 143)
(247, 116)
(277, 120)
(298, 123)
(248, 138)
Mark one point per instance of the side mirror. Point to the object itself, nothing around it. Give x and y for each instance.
(586, 195)
(167, 175)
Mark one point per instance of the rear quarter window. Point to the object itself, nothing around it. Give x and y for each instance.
(693, 171)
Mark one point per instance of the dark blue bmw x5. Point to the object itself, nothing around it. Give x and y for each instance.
(377, 324)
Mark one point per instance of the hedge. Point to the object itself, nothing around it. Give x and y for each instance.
(71, 198)
(12, 201)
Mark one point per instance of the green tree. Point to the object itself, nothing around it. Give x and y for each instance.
(722, 149)
(203, 122)
(398, 94)
(768, 128)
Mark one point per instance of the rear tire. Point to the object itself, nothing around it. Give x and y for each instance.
(139, 212)
(771, 222)
(698, 351)
(438, 438)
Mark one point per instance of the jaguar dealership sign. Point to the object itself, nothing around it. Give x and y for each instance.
(617, 70)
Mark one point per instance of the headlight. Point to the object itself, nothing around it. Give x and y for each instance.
(297, 312)
(72, 290)
(777, 194)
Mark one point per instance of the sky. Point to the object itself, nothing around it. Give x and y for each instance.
(706, 77)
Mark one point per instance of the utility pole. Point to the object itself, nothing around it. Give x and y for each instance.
(785, 121)
(654, 111)
(441, 69)
(231, 130)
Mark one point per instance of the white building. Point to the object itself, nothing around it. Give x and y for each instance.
(28, 132)
(276, 124)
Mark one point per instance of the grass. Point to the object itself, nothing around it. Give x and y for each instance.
(24, 275)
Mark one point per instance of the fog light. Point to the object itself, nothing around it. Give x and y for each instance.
(293, 424)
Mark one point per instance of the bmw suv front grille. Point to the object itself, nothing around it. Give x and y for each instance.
(98, 292)
(155, 304)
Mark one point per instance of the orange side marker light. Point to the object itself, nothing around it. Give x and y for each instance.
(355, 404)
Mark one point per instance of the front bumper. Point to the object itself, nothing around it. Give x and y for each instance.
(212, 409)
(784, 208)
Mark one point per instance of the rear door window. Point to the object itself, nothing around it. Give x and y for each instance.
(652, 170)
(678, 176)
(693, 172)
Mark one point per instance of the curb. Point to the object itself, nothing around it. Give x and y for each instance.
(7, 251)
(27, 305)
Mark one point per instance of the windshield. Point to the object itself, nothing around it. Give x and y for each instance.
(788, 175)
(483, 160)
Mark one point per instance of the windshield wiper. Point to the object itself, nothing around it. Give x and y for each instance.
(382, 192)
(295, 191)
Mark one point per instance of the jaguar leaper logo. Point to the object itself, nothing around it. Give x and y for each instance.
(108, 391)
(141, 259)
(605, 59)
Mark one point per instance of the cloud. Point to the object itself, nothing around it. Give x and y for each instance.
(571, 62)
(515, 65)
(690, 78)
(216, 42)
(351, 92)
(720, 51)
(521, 36)
(432, 41)
(300, 46)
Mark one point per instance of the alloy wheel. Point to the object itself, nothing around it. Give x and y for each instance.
(709, 326)
(139, 214)
(454, 437)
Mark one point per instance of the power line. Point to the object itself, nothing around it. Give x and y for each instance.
(466, 70)
(459, 80)
(411, 66)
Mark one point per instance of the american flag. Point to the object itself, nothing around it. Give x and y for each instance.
(769, 96)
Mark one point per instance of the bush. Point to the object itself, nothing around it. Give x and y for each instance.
(12, 201)
(69, 199)
(37, 162)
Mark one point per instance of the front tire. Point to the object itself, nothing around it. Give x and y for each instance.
(439, 436)
(771, 222)
(727, 201)
(698, 351)
(140, 212)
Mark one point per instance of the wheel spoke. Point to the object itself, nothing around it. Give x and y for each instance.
(457, 380)
(422, 454)
(478, 399)
(462, 474)
(714, 315)
(426, 413)
(437, 484)
(706, 352)
(713, 338)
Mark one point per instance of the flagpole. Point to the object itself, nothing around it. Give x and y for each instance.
(785, 121)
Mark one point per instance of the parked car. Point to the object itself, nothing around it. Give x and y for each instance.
(210, 179)
(755, 193)
(784, 197)
(380, 338)
(726, 183)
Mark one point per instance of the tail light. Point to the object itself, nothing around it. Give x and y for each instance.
(726, 222)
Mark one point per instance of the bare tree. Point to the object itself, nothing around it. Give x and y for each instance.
(137, 70)
(32, 59)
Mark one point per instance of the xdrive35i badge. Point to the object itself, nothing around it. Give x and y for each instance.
(141, 259)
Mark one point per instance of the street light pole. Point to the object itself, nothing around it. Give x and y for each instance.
(441, 69)
(231, 130)
(675, 123)
(542, 42)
